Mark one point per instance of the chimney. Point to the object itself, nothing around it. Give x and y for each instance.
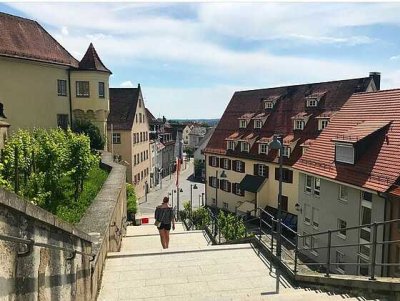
(376, 76)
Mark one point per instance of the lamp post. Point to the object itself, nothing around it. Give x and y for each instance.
(277, 144)
(223, 176)
(199, 200)
(191, 197)
(202, 199)
(177, 200)
(172, 197)
(146, 190)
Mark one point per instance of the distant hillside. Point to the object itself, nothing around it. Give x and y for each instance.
(210, 122)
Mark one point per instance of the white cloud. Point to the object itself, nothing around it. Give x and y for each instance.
(126, 84)
(395, 57)
(64, 30)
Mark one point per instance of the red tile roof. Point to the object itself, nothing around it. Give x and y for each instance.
(378, 166)
(292, 100)
(91, 61)
(360, 131)
(27, 39)
(123, 103)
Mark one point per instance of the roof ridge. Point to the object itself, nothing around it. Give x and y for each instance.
(378, 91)
(17, 17)
(298, 85)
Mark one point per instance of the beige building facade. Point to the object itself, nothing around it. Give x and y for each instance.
(128, 131)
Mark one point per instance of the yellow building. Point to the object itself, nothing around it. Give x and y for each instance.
(128, 135)
(42, 84)
(242, 171)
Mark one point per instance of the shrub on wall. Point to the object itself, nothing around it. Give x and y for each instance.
(89, 129)
(131, 199)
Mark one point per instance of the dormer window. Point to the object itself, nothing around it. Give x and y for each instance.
(242, 123)
(312, 102)
(230, 145)
(344, 153)
(263, 148)
(286, 151)
(268, 105)
(299, 124)
(245, 147)
(322, 123)
(257, 124)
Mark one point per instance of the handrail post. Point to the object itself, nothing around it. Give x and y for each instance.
(296, 250)
(260, 227)
(373, 251)
(272, 236)
(328, 251)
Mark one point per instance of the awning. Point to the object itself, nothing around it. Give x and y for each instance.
(251, 183)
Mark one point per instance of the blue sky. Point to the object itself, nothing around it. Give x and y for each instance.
(190, 57)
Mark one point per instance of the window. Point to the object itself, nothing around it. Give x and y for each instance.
(364, 266)
(213, 161)
(140, 103)
(134, 160)
(341, 224)
(263, 148)
(239, 166)
(237, 189)
(62, 87)
(366, 196)
(116, 138)
(322, 123)
(245, 147)
(230, 145)
(242, 124)
(299, 124)
(307, 214)
(213, 181)
(306, 240)
(284, 203)
(286, 151)
(226, 185)
(226, 163)
(315, 217)
(317, 186)
(225, 205)
(344, 153)
(287, 175)
(312, 102)
(262, 170)
(62, 121)
(257, 124)
(343, 193)
(340, 261)
(309, 180)
(82, 89)
(268, 105)
(101, 90)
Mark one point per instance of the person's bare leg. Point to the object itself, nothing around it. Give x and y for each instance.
(161, 237)
(166, 238)
(165, 234)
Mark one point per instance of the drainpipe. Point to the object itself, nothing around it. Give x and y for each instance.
(70, 96)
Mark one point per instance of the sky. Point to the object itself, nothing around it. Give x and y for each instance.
(191, 57)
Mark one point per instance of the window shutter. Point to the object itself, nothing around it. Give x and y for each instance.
(218, 183)
(217, 161)
(243, 167)
(256, 169)
(210, 160)
(209, 181)
(234, 188)
(267, 171)
(229, 187)
(229, 164)
(277, 173)
(234, 165)
(221, 162)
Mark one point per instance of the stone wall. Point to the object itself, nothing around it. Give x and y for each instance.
(43, 273)
(50, 274)
(105, 219)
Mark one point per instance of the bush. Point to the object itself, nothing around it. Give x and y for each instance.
(231, 226)
(201, 218)
(89, 129)
(131, 199)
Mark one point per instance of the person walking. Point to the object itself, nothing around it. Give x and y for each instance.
(165, 215)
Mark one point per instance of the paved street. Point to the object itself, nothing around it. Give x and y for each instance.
(154, 197)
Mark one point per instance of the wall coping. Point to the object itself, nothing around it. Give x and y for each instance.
(24, 206)
(96, 220)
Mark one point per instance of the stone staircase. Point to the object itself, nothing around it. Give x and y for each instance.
(193, 270)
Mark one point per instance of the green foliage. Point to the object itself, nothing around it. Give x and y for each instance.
(88, 128)
(231, 226)
(131, 198)
(46, 165)
(72, 211)
(189, 152)
(184, 214)
(201, 218)
(198, 167)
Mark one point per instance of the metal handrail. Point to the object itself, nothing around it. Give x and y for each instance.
(31, 242)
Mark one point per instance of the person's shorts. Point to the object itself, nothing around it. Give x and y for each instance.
(165, 227)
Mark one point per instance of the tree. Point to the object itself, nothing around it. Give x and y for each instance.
(88, 128)
(198, 168)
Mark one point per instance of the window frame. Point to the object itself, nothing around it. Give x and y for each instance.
(323, 123)
(262, 170)
(315, 217)
(229, 145)
(260, 148)
(268, 105)
(243, 148)
(299, 124)
(341, 188)
(340, 228)
(317, 191)
(116, 138)
(82, 95)
(340, 268)
(312, 102)
(63, 124)
(104, 90)
(258, 124)
(60, 91)
(242, 123)
(307, 217)
(308, 188)
(348, 146)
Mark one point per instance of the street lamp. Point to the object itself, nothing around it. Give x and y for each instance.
(172, 196)
(277, 144)
(199, 200)
(177, 200)
(191, 197)
(202, 199)
(222, 176)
